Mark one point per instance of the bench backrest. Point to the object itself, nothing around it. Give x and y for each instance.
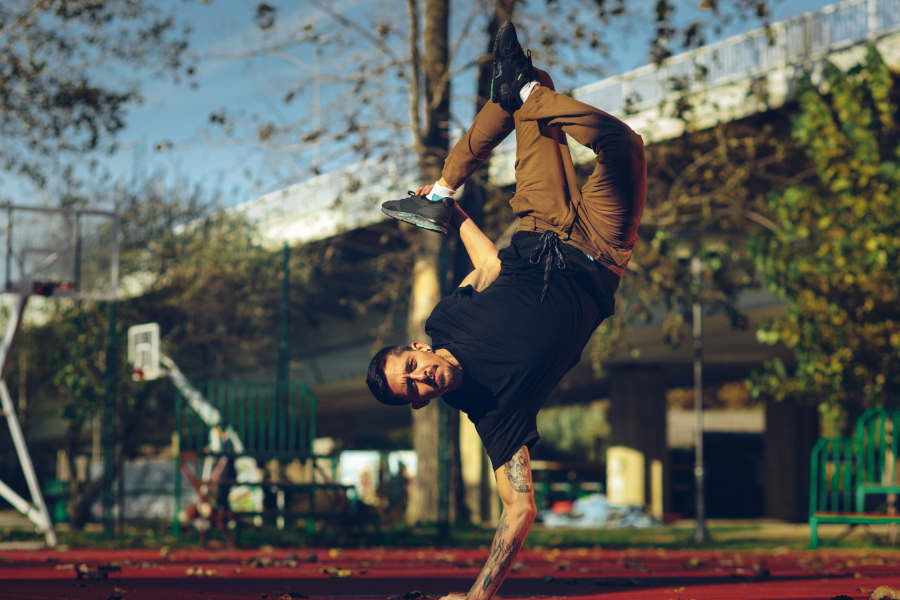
(876, 437)
(834, 464)
(270, 420)
(839, 465)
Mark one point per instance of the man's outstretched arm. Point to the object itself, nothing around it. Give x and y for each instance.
(517, 493)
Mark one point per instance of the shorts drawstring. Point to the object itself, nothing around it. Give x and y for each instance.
(551, 253)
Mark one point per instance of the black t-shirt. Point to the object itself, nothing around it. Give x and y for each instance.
(512, 347)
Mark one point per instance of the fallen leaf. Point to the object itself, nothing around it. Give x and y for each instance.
(883, 592)
(412, 595)
(337, 571)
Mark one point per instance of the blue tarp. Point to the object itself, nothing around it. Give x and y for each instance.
(596, 511)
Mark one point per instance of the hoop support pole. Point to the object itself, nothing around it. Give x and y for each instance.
(25, 461)
(15, 430)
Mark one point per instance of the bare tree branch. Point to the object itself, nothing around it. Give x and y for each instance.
(22, 18)
(342, 20)
(761, 220)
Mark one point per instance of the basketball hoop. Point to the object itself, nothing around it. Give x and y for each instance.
(59, 252)
(143, 351)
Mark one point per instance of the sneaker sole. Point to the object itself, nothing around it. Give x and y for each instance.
(503, 27)
(414, 219)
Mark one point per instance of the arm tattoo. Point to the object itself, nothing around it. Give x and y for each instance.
(518, 472)
(502, 553)
(511, 530)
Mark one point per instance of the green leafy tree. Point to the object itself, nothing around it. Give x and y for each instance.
(706, 195)
(215, 290)
(835, 254)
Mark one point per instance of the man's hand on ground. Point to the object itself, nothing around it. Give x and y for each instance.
(453, 597)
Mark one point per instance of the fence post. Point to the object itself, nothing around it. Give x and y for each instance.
(176, 450)
(109, 424)
(872, 18)
(814, 458)
(283, 356)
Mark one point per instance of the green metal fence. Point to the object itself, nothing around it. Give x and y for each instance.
(271, 420)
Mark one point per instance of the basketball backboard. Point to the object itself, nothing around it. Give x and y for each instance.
(59, 251)
(143, 351)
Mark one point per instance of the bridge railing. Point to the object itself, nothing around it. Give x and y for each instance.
(804, 38)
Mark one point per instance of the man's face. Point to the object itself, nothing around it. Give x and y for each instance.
(419, 375)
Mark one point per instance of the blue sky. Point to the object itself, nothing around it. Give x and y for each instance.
(175, 117)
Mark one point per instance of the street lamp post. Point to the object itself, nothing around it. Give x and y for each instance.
(700, 534)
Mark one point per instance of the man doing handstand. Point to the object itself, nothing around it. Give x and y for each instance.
(519, 321)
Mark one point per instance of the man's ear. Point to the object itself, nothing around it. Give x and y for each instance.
(420, 346)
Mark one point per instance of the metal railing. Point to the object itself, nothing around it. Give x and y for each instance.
(805, 38)
(271, 421)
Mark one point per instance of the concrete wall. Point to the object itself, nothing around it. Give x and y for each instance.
(637, 419)
(791, 432)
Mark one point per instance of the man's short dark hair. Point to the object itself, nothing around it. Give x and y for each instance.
(376, 380)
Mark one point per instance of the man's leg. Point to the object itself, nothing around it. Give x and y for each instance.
(546, 186)
(609, 207)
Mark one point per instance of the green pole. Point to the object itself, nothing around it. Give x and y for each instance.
(443, 440)
(443, 472)
(176, 441)
(285, 315)
(282, 375)
(109, 425)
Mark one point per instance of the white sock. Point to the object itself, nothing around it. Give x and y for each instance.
(526, 90)
(438, 191)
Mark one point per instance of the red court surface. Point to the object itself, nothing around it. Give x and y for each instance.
(586, 574)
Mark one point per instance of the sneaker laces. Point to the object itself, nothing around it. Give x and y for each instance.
(550, 252)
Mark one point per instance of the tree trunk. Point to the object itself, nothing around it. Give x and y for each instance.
(428, 275)
(472, 200)
(474, 194)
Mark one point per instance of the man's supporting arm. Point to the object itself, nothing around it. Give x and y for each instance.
(517, 493)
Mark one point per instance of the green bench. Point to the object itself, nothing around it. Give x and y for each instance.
(845, 472)
(229, 433)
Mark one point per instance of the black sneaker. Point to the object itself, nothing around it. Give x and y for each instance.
(421, 212)
(512, 68)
